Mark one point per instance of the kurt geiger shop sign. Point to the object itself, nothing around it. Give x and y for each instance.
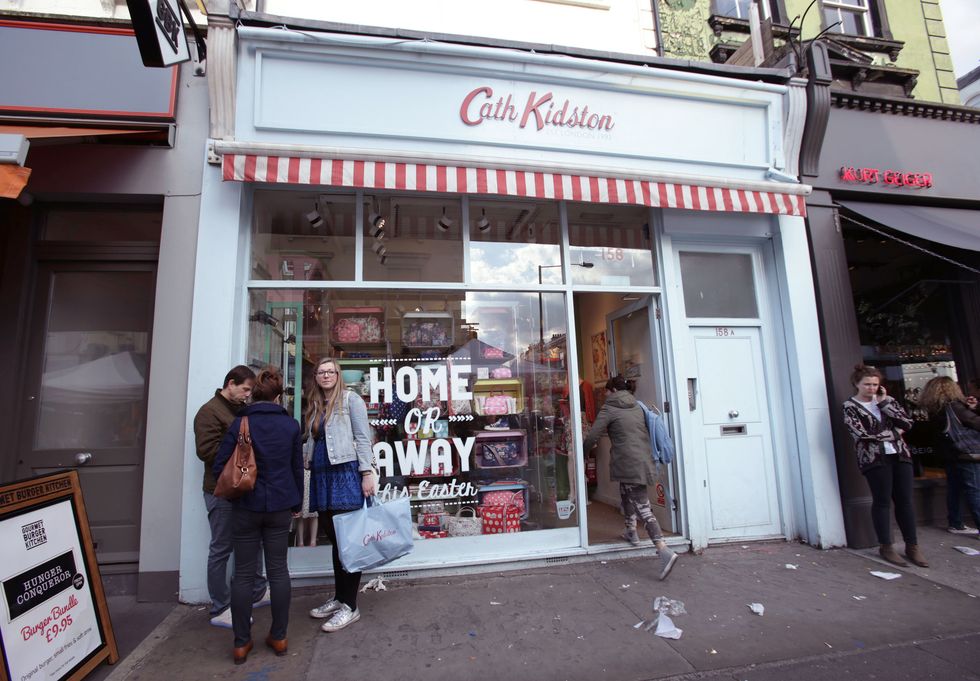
(539, 110)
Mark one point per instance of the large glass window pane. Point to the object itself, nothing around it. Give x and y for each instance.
(513, 242)
(610, 245)
(412, 239)
(718, 285)
(465, 392)
(304, 236)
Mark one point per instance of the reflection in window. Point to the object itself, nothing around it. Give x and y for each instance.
(610, 245)
(412, 239)
(514, 242)
(303, 236)
(718, 285)
(487, 439)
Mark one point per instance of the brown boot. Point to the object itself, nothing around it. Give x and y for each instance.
(888, 552)
(913, 553)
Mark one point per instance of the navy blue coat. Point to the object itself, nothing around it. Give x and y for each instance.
(278, 446)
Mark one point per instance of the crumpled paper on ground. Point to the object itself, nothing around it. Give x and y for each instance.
(666, 627)
(886, 575)
(967, 550)
(758, 608)
(377, 584)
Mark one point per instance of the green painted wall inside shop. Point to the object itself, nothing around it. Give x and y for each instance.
(917, 23)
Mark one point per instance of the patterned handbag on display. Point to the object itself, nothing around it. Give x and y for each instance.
(501, 519)
(503, 498)
(965, 440)
(460, 525)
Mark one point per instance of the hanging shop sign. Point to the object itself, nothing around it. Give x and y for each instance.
(893, 178)
(54, 622)
(159, 32)
(539, 110)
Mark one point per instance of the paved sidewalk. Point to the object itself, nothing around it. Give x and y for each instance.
(829, 619)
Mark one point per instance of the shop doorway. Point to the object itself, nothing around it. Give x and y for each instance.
(86, 364)
(619, 334)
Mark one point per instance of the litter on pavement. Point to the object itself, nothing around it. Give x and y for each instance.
(758, 608)
(790, 566)
(886, 575)
(967, 550)
(377, 584)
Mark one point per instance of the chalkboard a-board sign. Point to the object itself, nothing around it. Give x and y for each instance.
(54, 622)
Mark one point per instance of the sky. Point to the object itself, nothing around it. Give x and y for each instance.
(962, 20)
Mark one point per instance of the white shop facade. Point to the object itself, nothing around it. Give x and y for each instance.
(504, 226)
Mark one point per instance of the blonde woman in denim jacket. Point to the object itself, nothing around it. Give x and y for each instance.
(877, 422)
(341, 476)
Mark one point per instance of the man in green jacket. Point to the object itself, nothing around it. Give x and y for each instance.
(210, 425)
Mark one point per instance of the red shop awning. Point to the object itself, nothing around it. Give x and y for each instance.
(431, 177)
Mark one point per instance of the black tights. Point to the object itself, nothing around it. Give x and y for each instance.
(892, 482)
(346, 583)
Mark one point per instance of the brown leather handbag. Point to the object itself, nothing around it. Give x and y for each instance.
(238, 475)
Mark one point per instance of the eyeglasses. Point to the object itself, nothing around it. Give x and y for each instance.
(326, 372)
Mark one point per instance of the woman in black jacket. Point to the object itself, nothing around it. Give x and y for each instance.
(261, 517)
(963, 476)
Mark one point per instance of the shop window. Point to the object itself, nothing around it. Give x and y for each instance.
(852, 16)
(738, 8)
(610, 245)
(413, 239)
(303, 236)
(514, 242)
(468, 411)
(718, 285)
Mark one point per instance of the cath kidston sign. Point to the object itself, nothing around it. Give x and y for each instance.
(54, 623)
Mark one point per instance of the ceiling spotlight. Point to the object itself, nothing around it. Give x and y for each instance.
(483, 224)
(314, 217)
(382, 259)
(376, 221)
(444, 222)
(377, 231)
(379, 248)
(418, 308)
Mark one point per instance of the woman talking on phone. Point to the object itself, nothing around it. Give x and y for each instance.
(877, 422)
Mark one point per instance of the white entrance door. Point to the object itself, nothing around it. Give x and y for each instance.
(729, 405)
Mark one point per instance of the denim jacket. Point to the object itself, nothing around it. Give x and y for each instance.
(661, 446)
(348, 434)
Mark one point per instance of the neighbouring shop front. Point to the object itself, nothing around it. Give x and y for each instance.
(97, 254)
(484, 237)
(893, 220)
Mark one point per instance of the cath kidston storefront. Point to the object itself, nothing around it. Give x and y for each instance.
(483, 237)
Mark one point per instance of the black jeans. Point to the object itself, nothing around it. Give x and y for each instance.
(345, 583)
(892, 482)
(252, 531)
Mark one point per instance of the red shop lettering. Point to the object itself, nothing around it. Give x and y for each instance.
(544, 110)
(893, 178)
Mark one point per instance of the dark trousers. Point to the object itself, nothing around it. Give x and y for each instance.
(892, 483)
(969, 475)
(345, 583)
(954, 489)
(253, 532)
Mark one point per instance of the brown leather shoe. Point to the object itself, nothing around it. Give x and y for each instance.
(279, 647)
(913, 553)
(887, 551)
(240, 654)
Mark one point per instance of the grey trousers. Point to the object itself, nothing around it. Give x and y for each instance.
(256, 533)
(636, 502)
(219, 518)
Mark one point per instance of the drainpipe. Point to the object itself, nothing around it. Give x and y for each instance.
(658, 34)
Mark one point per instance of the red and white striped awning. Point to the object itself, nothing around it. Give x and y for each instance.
(430, 177)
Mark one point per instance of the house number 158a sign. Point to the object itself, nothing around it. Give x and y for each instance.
(724, 331)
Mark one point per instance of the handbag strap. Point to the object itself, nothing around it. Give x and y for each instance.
(244, 441)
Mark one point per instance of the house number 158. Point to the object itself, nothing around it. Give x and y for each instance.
(724, 331)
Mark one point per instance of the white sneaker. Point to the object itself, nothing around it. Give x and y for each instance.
(264, 600)
(966, 529)
(325, 610)
(223, 619)
(341, 619)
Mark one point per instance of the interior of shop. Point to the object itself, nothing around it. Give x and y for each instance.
(916, 316)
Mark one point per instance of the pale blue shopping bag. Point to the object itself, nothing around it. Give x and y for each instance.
(374, 535)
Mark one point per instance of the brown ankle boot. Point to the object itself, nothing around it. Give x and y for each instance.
(913, 553)
(888, 552)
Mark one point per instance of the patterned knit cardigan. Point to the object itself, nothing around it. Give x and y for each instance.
(870, 434)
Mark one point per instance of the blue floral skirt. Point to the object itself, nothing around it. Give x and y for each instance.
(333, 487)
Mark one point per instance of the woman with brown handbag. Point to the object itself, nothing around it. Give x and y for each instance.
(261, 517)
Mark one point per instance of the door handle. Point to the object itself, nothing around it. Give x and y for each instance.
(692, 394)
(83, 458)
(733, 414)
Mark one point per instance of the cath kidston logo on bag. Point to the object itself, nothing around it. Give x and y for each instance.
(380, 535)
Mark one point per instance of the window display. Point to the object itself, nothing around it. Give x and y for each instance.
(465, 417)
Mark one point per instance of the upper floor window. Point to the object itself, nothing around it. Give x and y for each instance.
(740, 8)
(854, 16)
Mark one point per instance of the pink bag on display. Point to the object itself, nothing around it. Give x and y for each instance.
(503, 498)
(496, 405)
(501, 519)
(500, 372)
